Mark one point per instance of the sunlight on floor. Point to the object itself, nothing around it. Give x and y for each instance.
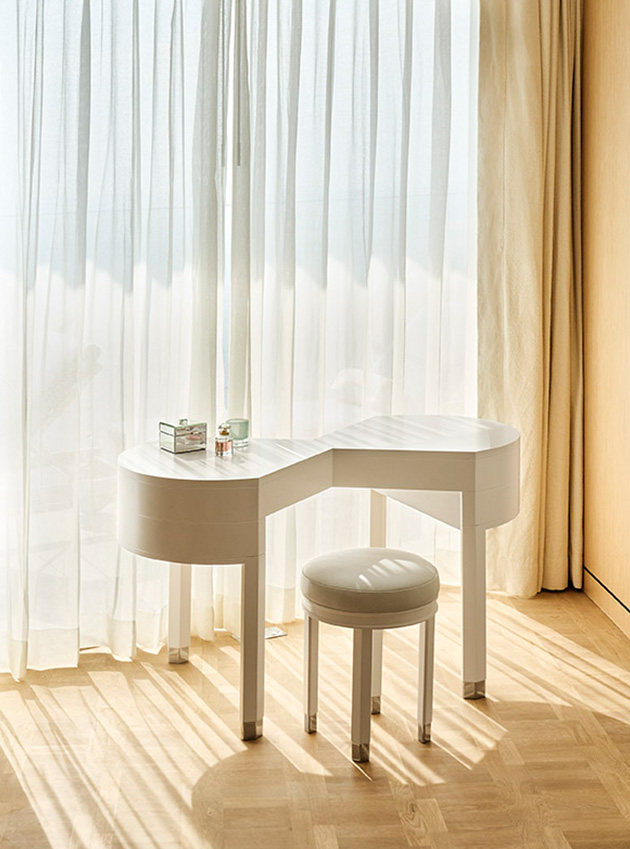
(148, 755)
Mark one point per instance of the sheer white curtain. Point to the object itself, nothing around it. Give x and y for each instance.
(356, 280)
(315, 162)
(111, 241)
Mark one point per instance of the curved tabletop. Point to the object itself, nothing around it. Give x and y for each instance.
(429, 434)
(199, 508)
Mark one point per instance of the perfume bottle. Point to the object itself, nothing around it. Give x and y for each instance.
(223, 441)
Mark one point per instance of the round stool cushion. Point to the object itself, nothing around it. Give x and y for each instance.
(370, 580)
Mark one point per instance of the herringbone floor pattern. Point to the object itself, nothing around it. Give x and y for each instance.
(143, 754)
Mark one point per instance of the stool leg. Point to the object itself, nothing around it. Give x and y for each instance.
(377, 668)
(361, 693)
(311, 659)
(378, 538)
(425, 679)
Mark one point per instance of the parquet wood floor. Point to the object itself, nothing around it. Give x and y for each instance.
(146, 755)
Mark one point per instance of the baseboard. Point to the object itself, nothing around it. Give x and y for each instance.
(607, 602)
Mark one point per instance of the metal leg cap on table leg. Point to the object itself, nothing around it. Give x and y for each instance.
(310, 723)
(179, 655)
(424, 733)
(474, 689)
(360, 753)
(251, 730)
(376, 705)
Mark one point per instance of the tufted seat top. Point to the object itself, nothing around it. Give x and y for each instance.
(370, 580)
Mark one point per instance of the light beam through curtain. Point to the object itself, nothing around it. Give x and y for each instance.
(356, 276)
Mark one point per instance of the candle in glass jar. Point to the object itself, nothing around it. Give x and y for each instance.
(239, 429)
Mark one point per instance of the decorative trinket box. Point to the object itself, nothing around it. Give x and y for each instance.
(183, 437)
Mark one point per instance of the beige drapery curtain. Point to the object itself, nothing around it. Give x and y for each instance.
(529, 264)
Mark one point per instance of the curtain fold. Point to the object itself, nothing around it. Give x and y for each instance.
(530, 302)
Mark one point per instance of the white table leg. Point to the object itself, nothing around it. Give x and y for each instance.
(473, 603)
(378, 539)
(179, 612)
(378, 519)
(252, 647)
(377, 671)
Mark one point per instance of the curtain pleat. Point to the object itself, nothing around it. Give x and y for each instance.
(239, 381)
(209, 175)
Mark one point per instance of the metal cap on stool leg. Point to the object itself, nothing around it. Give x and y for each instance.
(251, 730)
(310, 723)
(360, 753)
(376, 705)
(424, 733)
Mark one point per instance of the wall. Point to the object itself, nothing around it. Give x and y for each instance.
(606, 202)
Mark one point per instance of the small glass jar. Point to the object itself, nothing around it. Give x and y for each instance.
(239, 428)
(223, 441)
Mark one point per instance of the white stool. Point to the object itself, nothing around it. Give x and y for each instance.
(369, 589)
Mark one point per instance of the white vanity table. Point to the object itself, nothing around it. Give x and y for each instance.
(202, 509)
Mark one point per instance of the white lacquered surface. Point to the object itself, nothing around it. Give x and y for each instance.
(428, 434)
(259, 458)
(452, 434)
